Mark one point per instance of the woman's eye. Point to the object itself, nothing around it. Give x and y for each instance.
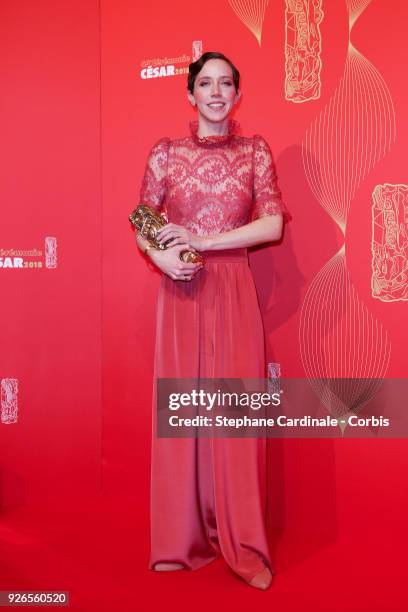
(203, 83)
(227, 83)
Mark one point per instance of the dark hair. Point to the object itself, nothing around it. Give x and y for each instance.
(195, 67)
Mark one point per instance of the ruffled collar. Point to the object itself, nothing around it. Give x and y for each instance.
(213, 141)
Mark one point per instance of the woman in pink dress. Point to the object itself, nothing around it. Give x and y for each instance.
(220, 195)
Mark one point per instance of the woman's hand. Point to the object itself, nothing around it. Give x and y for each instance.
(170, 263)
(177, 234)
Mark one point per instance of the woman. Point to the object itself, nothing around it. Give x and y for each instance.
(220, 194)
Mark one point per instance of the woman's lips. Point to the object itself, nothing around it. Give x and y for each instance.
(216, 105)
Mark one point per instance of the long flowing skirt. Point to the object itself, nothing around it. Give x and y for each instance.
(208, 495)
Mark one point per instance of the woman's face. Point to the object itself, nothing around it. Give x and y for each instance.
(214, 91)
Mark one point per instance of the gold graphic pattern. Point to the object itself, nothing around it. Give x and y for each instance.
(390, 243)
(252, 14)
(339, 337)
(302, 49)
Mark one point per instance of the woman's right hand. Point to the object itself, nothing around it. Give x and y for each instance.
(169, 262)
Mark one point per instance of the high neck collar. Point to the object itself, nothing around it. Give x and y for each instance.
(213, 141)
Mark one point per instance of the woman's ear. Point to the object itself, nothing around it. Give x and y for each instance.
(237, 96)
(191, 98)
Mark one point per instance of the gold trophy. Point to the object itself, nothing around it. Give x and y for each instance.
(148, 222)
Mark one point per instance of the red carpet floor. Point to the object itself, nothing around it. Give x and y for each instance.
(97, 551)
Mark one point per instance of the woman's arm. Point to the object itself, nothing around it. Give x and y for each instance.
(152, 193)
(264, 229)
(266, 218)
(168, 261)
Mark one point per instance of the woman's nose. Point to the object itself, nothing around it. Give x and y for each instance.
(215, 89)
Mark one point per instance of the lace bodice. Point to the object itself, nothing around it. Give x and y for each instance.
(213, 184)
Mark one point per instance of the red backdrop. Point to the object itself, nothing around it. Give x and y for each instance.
(77, 335)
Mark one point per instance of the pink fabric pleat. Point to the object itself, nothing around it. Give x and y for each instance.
(208, 495)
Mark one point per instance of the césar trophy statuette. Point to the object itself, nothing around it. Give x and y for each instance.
(148, 222)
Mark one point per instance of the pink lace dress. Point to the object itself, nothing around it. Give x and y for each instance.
(208, 494)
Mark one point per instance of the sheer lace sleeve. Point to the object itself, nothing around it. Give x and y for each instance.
(153, 189)
(267, 197)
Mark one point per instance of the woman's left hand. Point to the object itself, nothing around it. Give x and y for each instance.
(177, 234)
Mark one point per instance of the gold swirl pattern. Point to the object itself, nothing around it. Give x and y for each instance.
(339, 337)
(252, 14)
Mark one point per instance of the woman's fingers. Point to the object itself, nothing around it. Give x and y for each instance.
(168, 240)
(190, 267)
(183, 271)
(181, 241)
(168, 229)
(184, 275)
(168, 234)
(167, 226)
(164, 234)
(174, 241)
(179, 248)
(162, 229)
(186, 271)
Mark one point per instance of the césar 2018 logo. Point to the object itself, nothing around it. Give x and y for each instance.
(30, 258)
(159, 67)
